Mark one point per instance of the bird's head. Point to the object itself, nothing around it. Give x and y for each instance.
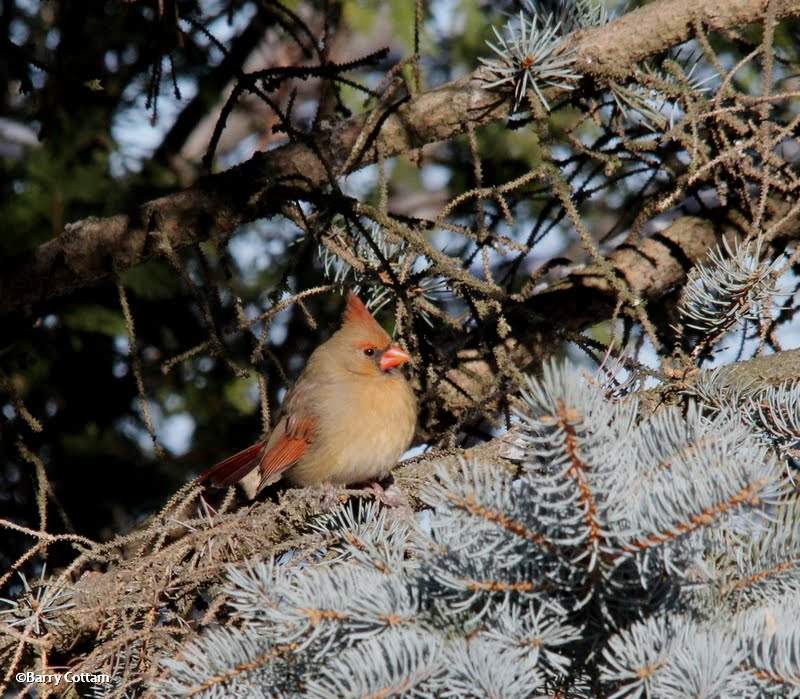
(364, 347)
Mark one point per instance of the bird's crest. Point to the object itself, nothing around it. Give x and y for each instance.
(357, 315)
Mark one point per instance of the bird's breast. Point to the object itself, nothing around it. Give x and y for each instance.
(363, 427)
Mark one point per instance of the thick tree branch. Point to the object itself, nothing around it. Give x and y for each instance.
(772, 370)
(650, 269)
(658, 25)
(89, 250)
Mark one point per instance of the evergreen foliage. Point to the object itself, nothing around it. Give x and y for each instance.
(626, 555)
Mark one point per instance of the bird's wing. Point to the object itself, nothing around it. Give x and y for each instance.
(287, 444)
(281, 450)
(294, 432)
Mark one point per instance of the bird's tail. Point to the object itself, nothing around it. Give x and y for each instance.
(234, 468)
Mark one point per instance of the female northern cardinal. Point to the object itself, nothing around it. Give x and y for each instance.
(348, 418)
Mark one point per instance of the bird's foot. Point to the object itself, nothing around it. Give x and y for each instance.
(391, 496)
(331, 497)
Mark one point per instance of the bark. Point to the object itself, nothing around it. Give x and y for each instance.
(657, 25)
(650, 269)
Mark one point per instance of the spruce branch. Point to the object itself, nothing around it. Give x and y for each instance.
(773, 410)
(480, 668)
(681, 577)
(405, 663)
(733, 285)
(223, 663)
(673, 658)
(315, 609)
(628, 554)
(658, 93)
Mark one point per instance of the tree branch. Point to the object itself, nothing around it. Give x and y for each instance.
(613, 50)
(651, 269)
(89, 250)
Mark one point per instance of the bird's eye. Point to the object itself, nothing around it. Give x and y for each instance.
(369, 351)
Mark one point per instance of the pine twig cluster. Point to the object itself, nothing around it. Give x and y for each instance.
(627, 555)
(533, 52)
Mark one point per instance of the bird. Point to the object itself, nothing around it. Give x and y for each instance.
(349, 417)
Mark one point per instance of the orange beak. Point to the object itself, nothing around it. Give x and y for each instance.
(393, 357)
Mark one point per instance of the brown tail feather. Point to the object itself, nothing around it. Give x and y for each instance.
(235, 467)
